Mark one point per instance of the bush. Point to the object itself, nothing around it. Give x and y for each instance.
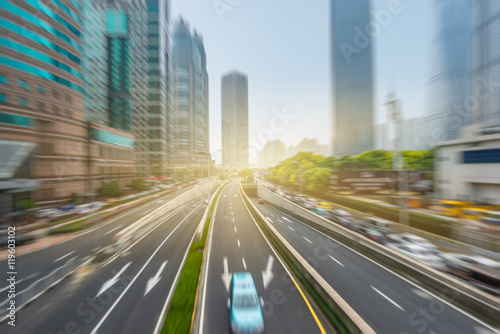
(138, 185)
(110, 189)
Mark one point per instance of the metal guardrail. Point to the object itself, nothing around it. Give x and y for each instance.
(473, 300)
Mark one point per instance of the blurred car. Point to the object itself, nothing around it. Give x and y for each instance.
(454, 260)
(244, 305)
(419, 253)
(260, 201)
(416, 240)
(45, 213)
(342, 217)
(373, 234)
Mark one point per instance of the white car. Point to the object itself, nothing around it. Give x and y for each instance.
(420, 254)
(45, 213)
(416, 240)
(454, 259)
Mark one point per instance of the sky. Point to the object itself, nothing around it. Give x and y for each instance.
(283, 46)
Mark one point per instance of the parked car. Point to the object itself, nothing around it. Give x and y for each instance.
(419, 253)
(454, 260)
(245, 310)
(373, 234)
(419, 241)
(260, 201)
(45, 213)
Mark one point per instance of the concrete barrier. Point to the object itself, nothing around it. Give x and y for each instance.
(349, 318)
(136, 230)
(474, 301)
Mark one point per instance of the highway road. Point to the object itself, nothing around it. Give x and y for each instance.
(124, 295)
(37, 264)
(238, 245)
(385, 300)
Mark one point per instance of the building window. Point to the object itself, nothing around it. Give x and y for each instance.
(4, 98)
(481, 156)
(23, 84)
(4, 79)
(22, 101)
(40, 89)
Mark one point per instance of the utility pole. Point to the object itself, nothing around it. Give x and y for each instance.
(395, 115)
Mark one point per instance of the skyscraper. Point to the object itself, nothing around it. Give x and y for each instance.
(191, 96)
(234, 120)
(484, 88)
(352, 76)
(159, 98)
(447, 87)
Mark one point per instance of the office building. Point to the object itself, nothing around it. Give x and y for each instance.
(158, 87)
(447, 87)
(307, 145)
(191, 97)
(352, 77)
(234, 120)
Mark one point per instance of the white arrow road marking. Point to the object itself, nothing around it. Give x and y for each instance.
(155, 279)
(389, 299)
(334, 259)
(226, 276)
(112, 230)
(267, 275)
(110, 282)
(62, 257)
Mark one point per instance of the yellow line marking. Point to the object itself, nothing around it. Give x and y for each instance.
(310, 307)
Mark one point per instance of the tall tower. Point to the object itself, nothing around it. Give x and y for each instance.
(191, 96)
(234, 120)
(352, 76)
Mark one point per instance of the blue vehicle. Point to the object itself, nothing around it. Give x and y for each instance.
(244, 305)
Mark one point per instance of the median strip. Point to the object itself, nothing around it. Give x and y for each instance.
(180, 314)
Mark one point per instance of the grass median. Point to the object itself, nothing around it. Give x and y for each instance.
(181, 308)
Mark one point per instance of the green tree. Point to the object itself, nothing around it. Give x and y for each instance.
(245, 172)
(110, 189)
(138, 185)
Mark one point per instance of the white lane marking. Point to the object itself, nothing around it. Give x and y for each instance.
(269, 219)
(244, 263)
(231, 212)
(309, 241)
(334, 259)
(421, 294)
(155, 279)
(112, 230)
(239, 245)
(160, 201)
(291, 228)
(140, 271)
(389, 299)
(288, 220)
(224, 195)
(235, 195)
(272, 215)
(235, 231)
(146, 211)
(280, 221)
(110, 282)
(62, 257)
(233, 220)
(22, 279)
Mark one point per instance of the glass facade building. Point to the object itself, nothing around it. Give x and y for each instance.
(191, 96)
(352, 77)
(234, 120)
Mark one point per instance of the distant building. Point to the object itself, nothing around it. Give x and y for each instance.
(234, 120)
(382, 141)
(271, 154)
(191, 97)
(409, 134)
(352, 77)
(307, 145)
